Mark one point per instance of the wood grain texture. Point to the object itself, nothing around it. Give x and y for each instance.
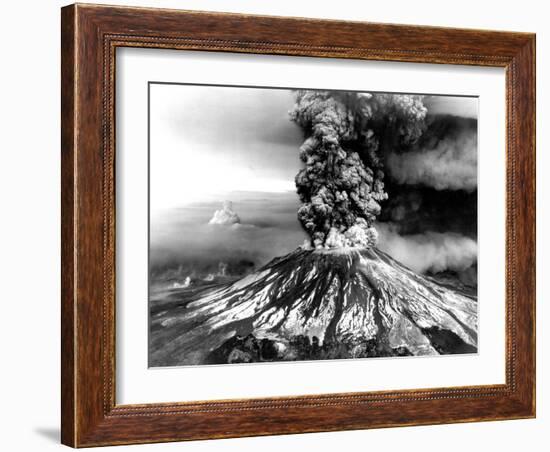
(90, 36)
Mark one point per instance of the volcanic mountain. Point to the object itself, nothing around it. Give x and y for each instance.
(314, 304)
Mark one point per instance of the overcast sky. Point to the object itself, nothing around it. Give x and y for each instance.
(208, 141)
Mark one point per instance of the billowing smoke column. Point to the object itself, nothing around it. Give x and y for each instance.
(341, 185)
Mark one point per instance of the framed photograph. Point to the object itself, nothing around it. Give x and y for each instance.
(281, 225)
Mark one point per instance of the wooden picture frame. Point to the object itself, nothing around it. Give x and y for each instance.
(90, 35)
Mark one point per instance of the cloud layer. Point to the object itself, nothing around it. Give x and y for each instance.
(429, 251)
(445, 158)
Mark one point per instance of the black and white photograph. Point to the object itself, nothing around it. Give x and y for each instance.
(292, 224)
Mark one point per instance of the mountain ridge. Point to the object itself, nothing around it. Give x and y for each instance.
(307, 304)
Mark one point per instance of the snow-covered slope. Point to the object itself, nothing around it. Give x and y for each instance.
(313, 304)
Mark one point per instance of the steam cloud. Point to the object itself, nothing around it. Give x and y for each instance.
(445, 157)
(429, 251)
(341, 186)
(225, 215)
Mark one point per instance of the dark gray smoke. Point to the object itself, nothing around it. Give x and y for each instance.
(341, 185)
(416, 209)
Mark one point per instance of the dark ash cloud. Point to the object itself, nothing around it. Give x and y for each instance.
(341, 184)
(415, 209)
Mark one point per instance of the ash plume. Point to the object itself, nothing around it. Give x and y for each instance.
(341, 185)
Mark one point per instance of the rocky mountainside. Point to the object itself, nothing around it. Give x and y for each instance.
(313, 304)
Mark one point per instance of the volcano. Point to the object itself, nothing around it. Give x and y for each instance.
(313, 304)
